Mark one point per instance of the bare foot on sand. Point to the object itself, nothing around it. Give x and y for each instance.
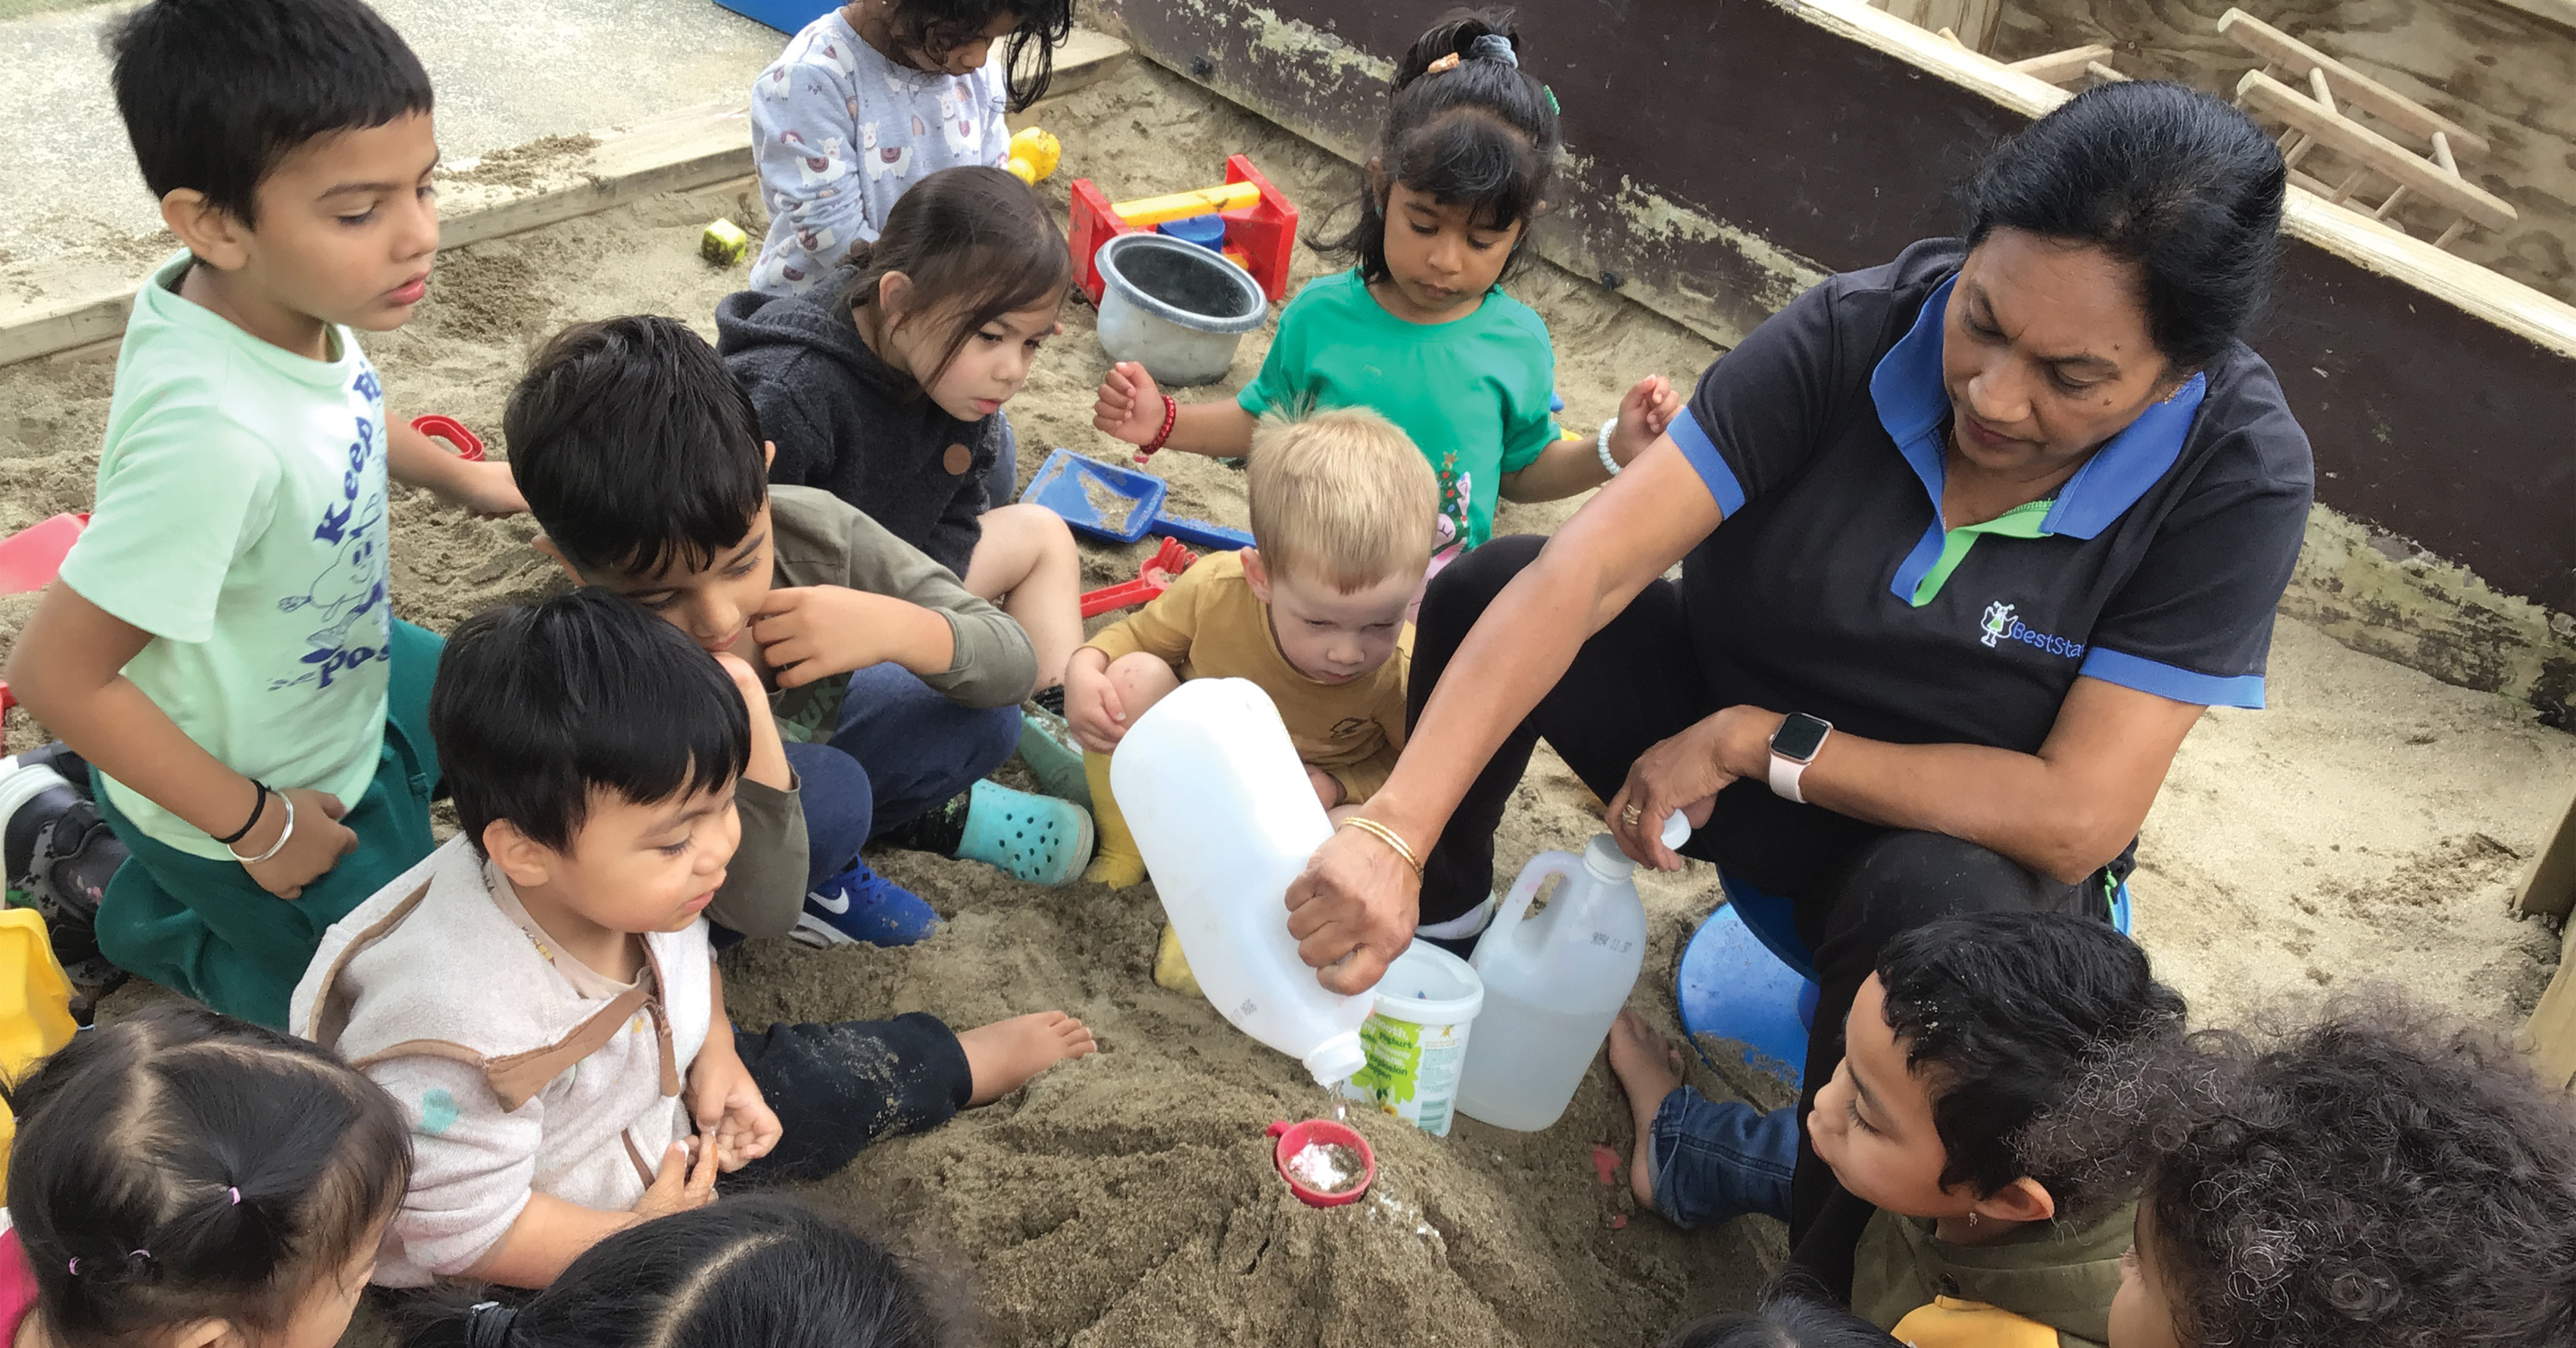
(1648, 1068)
(1003, 1056)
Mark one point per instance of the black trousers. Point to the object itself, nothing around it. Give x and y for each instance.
(1638, 681)
(836, 1088)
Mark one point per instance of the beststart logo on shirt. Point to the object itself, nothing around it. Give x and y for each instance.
(2001, 624)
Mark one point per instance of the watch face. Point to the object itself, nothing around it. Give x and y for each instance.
(1799, 737)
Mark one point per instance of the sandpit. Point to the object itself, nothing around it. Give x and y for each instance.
(2368, 825)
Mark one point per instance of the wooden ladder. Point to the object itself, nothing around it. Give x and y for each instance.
(2316, 96)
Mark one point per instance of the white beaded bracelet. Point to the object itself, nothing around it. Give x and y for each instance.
(1602, 443)
(282, 835)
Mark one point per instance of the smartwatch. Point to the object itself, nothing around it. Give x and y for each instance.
(1793, 747)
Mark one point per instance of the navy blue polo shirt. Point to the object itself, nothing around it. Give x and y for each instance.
(1831, 587)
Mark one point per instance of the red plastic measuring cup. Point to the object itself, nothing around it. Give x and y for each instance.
(1295, 1137)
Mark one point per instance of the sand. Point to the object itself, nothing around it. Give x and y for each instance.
(2369, 824)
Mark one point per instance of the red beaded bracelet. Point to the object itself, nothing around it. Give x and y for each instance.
(1171, 417)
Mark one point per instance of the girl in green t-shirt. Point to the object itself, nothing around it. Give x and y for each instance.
(1418, 329)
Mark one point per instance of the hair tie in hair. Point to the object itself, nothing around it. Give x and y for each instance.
(1494, 47)
(487, 1325)
(73, 1268)
(236, 1193)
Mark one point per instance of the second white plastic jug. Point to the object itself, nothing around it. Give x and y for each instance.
(1222, 812)
(1553, 984)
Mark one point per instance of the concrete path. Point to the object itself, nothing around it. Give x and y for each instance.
(506, 71)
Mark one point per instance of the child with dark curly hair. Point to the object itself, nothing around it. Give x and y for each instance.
(1943, 1227)
(2378, 1179)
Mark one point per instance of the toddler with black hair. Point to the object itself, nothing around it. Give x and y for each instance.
(540, 996)
(1947, 1229)
(183, 1179)
(237, 704)
(2378, 1178)
(762, 1270)
(1420, 329)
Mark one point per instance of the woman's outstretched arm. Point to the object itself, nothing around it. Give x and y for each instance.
(1353, 909)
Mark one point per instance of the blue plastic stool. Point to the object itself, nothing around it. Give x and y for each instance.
(787, 16)
(1747, 977)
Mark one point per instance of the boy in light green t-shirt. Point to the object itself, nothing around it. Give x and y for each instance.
(219, 647)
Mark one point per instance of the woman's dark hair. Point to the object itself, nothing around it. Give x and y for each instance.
(635, 446)
(933, 28)
(756, 1272)
(1479, 134)
(179, 1165)
(2379, 1178)
(976, 244)
(2007, 1012)
(537, 705)
(2162, 177)
(217, 93)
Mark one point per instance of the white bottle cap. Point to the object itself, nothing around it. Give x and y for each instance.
(1336, 1059)
(1677, 830)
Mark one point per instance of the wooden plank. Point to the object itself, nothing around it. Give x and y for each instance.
(2550, 885)
(1085, 59)
(2299, 59)
(2058, 67)
(2259, 92)
(2550, 1035)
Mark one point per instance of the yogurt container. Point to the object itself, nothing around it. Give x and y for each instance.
(1416, 1038)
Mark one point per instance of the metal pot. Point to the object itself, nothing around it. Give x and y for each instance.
(1175, 308)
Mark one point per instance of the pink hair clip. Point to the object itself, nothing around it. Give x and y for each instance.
(1442, 66)
(72, 1268)
(236, 1193)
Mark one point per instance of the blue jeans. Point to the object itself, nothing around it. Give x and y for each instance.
(1714, 1160)
(900, 750)
(1002, 481)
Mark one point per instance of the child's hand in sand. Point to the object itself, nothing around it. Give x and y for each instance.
(687, 1181)
(1130, 407)
(1003, 1056)
(729, 1108)
(1649, 407)
(1092, 707)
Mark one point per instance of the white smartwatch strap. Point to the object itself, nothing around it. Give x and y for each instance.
(1785, 771)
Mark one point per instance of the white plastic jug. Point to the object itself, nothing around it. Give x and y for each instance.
(1224, 816)
(1553, 984)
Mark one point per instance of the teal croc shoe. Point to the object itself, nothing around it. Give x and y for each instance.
(1040, 839)
(1047, 746)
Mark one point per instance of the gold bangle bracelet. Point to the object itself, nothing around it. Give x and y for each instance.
(1388, 836)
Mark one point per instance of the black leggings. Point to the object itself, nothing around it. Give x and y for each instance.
(1637, 682)
(838, 1087)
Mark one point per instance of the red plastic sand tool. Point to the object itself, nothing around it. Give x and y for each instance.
(1296, 1138)
(469, 446)
(1151, 580)
(30, 557)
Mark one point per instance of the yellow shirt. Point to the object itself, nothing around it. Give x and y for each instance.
(1951, 1323)
(1210, 626)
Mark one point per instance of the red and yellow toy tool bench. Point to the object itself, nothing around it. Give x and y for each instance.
(1260, 224)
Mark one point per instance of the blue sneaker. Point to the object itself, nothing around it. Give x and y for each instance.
(859, 905)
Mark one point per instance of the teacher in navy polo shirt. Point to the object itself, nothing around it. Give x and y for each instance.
(1968, 542)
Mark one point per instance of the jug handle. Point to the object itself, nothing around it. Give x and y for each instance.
(1507, 919)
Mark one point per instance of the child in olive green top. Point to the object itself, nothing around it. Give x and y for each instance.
(893, 689)
(1971, 1028)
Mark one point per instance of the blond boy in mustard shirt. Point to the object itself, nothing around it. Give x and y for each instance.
(1344, 517)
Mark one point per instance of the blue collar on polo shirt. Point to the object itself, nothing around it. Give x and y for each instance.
(1914, 406)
